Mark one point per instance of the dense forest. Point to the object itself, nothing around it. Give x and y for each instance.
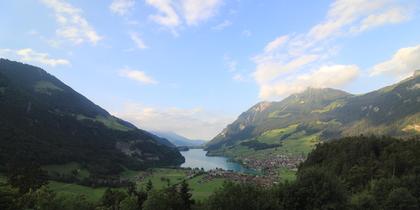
(352, 173)
(45, 121)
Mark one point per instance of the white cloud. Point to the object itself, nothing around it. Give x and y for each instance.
(167, 15)
(138, 41)
(246, 33)
(335, 76)
(31, 56)
(174, 13)
(289, 56)
(402, 64)
(222, 25)
(276, 43)
(121, 7)
(238, 77)
(137, 75)
(268, 71)
(193, 123)
(196, 11)
(72, 25)
(393, 15)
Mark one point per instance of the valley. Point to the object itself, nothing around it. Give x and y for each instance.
(210, 105)
(273, 135)
(92, 156)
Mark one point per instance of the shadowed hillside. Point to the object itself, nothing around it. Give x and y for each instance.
(44, 120)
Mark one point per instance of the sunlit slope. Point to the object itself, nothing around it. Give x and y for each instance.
(295, 124)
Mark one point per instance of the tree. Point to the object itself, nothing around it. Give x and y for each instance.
(163, 200)
(113, 198)
(149, 186)
(141, 196)
(8, 196)
(185, 194)
(401, 199)
(131, 188)
(363, 201)
(26, 176)
(40, 199)
(241, 196)
(129, 203)
(71, 202)
(315, 189)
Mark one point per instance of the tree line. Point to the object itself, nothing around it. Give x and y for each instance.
(378, 173)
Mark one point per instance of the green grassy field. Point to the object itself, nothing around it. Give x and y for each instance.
(287, 174)
(203, 189)
(92, 194)
(200, 188)
(159, 177)
(62, 189)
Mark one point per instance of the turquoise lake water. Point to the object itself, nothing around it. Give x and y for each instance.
(196, 158)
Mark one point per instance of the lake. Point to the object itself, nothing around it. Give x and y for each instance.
(196, 158)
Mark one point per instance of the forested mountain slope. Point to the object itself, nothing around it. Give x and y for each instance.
(315, 115)
(46, 121)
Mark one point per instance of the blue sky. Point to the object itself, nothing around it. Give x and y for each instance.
(192, 66)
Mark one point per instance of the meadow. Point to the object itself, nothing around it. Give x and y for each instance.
(160, 178)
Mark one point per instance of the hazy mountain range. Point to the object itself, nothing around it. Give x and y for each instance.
(179, 140)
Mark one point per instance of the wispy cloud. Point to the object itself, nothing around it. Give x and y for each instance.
(31, 56)
(222, 25)
(174, 13)
(391, 16)
(334, 76)
(246, 33)
(195, 11)
(195, 123)
(275, 44)
(138, 40)
(402, 64)
(139, 76)
(230, 63)
(122, 7)
(72, 25)
(167, 15)
(286, 58)
(239, 77)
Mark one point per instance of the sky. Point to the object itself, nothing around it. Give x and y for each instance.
(192, 66)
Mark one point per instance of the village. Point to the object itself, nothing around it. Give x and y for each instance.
(263, 172)
(271, 163)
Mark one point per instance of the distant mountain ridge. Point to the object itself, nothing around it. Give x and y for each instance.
(326, 114)
(45, 120)
(179, 140)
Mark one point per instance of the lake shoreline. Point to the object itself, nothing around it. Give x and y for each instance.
(198, 158)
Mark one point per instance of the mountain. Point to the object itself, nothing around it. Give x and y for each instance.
(179, 140)
(297, 123)
(46, 121)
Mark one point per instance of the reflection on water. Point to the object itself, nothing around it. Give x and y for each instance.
(196, 158)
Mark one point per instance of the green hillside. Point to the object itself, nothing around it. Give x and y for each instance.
(45, 121)
(297, 123)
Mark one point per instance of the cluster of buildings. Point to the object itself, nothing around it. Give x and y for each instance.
(272, 163)
(261, 180)
(269, 166)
